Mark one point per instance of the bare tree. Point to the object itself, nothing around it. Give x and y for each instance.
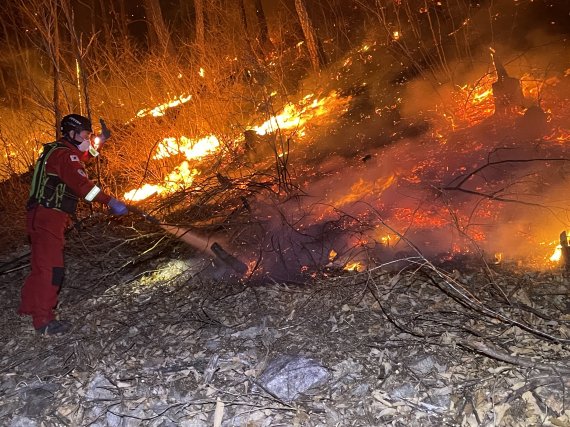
(104, 24)
(43, 15)
(159, 36)
(200, 28)
(121, 19)
(263, 32)
(316, 54)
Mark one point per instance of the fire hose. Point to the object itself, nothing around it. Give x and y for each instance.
(203, 245)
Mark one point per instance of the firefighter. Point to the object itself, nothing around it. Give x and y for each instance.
(58, 182)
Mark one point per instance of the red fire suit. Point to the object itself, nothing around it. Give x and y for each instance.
(45, 227)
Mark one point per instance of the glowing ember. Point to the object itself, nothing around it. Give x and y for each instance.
(362, 188)
(475, 103)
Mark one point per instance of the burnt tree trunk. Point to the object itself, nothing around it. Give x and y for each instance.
(507, 90)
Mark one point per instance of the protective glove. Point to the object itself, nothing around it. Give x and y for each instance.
(117, 207)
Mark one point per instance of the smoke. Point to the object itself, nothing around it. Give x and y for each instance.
(375, 203)
(426, 166)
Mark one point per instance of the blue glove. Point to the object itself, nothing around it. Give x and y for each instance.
(117, 207)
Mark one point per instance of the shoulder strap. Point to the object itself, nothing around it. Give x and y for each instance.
(40, 168)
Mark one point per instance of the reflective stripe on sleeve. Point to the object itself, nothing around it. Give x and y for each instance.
(92, 194)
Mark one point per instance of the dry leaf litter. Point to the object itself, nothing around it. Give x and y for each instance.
(160, 339)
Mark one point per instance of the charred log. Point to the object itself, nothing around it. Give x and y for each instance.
(507, 91)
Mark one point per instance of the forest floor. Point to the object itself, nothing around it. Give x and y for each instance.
(163, 341)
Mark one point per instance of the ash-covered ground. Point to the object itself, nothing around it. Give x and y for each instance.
(159, 341)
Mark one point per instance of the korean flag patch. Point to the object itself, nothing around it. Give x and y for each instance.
(74, 158)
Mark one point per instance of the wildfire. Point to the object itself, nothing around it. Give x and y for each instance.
(295, 116)
(160, 109)
(558, 251)
(181, 177)
(190, 148)
(475, 102)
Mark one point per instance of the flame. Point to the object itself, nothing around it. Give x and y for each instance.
(498, 257)
(291, 117)
(557, 255)
(482, 96)
(181, 177)
(294, 116)
(474, 103)
(354, 266)
(160, 109)
(191, 149)
(332, 255)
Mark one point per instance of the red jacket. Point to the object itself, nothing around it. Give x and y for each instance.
(67, 164)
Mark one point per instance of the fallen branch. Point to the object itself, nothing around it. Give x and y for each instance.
(498, 354)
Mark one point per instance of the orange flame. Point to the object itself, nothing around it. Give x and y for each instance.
(291, 117)
(295, 116)
(160, 109)
(181, 177)
(557, 255)
(190, 148)
(354, 266)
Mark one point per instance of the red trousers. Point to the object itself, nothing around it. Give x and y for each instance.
(46, 229)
